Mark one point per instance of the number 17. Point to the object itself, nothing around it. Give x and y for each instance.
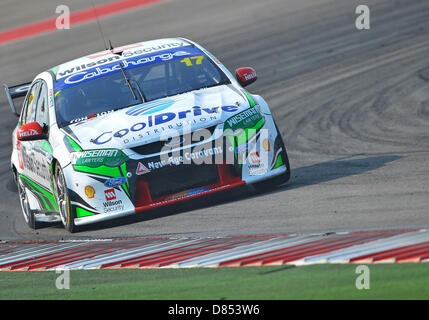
(188, 61)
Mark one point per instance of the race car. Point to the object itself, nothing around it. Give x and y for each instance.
(137, 127)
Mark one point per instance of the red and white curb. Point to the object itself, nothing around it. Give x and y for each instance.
(384, 246)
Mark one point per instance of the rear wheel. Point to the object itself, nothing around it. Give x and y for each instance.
(25, 205)
(63, 201)
(280, 179)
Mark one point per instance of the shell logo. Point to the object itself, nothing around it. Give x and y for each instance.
(90, 192)
(266, 145)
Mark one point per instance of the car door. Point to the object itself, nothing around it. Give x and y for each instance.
(28, 115)
(41, 149)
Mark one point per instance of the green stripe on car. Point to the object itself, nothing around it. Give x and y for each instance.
(250, 99)
(80, 212)
(43, 193)
(101, 170)
(74, 144)
(46, 146)
(279, 161)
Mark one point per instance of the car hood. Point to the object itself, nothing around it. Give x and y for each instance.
(159, 119)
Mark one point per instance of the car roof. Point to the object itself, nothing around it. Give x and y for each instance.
(107, 56)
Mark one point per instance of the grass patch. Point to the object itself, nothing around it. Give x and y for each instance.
(328, 281)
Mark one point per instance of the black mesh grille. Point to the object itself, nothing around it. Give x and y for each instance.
(180, 178)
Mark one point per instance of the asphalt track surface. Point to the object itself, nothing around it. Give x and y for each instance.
(352, 106)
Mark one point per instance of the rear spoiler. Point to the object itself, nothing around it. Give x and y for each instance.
(14, 92)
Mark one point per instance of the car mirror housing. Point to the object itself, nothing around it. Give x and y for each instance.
(30, 131)
(246, 76)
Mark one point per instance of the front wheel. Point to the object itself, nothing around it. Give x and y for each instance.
(63, 201)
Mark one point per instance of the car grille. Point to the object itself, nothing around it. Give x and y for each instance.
(180, 178)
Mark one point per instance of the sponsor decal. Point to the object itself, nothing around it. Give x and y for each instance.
(96, 158)
(254, 158)
(79, 121)
(152, 49)
(165, 119)
(110, 194)
(81, 76)
(89, 192)
(245, 119)
(187, 157)
(34, 165)
(126, 54)
(141, 169)
(249, 76)
(51, 98)
(150, 107)
(28, 133)
(257, 171)
(115, 182)
(99, 153)
(256, 167)
(87, 66)
(112, 206)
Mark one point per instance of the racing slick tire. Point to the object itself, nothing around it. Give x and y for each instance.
(277, 180)
(67, 215)
(25, 206)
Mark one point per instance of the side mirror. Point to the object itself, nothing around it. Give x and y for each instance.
(246, 76)
(30, 131)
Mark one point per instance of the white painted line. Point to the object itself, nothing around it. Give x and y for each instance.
(227, 252)
(124, 254)
(375, 246)
(25, 254)
(24, 249)
(247, 250)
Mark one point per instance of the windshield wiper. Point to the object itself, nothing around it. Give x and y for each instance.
(139, 90)
(128, 82)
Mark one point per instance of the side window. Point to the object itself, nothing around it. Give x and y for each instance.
(30, 104)
(42, 116)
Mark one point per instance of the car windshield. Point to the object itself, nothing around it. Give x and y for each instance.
(128, 82)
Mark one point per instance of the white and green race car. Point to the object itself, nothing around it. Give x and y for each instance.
(133, 128)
